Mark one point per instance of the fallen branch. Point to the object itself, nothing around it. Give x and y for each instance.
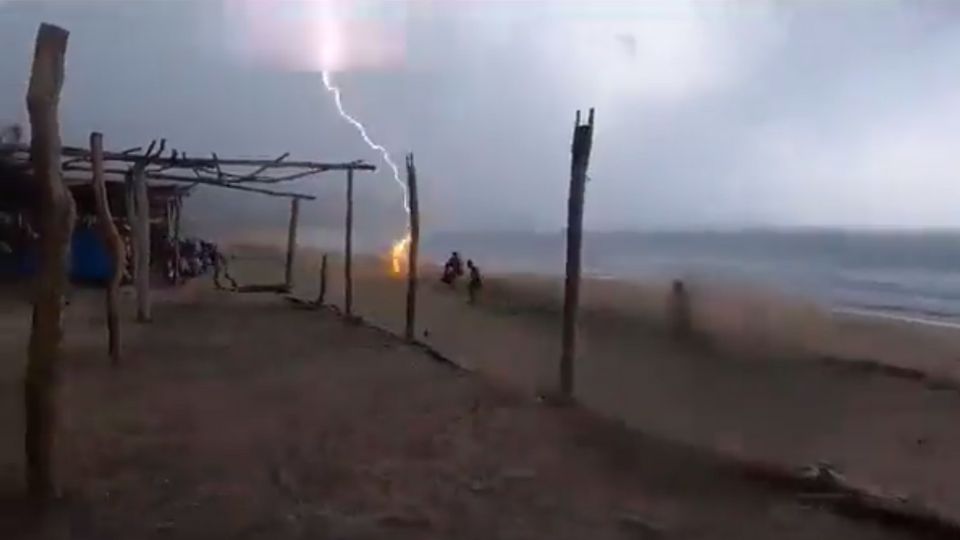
(270, 288)
(822, 486)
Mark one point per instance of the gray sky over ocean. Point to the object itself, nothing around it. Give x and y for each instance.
(710, 113)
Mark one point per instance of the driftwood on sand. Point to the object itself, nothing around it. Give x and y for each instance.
(821, 485)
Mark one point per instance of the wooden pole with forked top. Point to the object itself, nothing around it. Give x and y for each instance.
(582, 144)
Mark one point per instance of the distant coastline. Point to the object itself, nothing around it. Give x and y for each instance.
(909, 274)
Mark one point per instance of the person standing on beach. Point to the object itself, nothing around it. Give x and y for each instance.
(475, 283)
(680, 316)
(452, 269)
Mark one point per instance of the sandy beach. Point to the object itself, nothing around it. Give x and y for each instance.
(237, 415)
(751, 270)
(774, 380)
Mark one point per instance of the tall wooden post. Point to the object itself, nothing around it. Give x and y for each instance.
(57, 214)
(414, 248)
(322, 294)
(141, 237)
(292, 242)
(348, 250)
(582, 143)
(177, 211)
(113, 243)
(131, 207)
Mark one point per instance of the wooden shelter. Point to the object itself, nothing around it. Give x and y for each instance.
(41, 186)
(18, 206)
(167, 177)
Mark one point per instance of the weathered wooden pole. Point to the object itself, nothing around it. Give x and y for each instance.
(414, 248)
(322, 295)
(177, 207)
(292, 242)
(57, 214)
(131, 208)
(113, 243)
(582, 143)
(130, 242)
(348, 250)
(141, 237)
(679, 312)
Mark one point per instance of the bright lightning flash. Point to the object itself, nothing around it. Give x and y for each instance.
(398, 254)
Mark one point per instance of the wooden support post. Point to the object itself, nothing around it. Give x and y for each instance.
(348, 251)
(322, 295)
(57, 214)
(582, 143)
(177, 206)
(131, 207)
(130, 242)
(414, 248)
(679, 314)
(141, 237)
(291, 243)
(113, 243)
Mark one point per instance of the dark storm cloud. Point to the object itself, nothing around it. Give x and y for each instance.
(709, 113)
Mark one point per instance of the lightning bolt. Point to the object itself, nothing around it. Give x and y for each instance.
(335, 92)
(400, 248)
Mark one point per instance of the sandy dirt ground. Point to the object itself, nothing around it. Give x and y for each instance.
(238, 416)
(765, 383)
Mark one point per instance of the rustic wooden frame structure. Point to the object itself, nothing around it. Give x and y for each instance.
(138, 167)
(48, 162)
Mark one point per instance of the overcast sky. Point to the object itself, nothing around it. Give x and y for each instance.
(712, 113)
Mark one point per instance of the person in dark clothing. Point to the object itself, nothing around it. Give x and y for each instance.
(169, 255)
(189, 258)
(475, 283)
(453, 269)
(208, 255)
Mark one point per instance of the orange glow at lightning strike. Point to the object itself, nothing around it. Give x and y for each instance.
(399, 255)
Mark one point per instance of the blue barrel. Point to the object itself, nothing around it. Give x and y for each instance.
(90, 260)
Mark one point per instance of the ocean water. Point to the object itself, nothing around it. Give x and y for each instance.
(909, 275)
